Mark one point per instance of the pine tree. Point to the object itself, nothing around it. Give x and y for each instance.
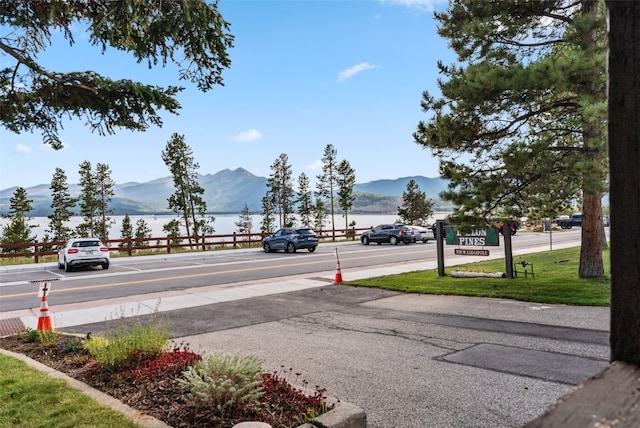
(268, 215)
(61, 204)
(245, 220)
(280, 190)
(18, 230)
(104, 187)
(89, 204)
(416, 208)
(305, 204)
(126, 230)
(172, 229)
(523, 109)
(319, 214)
(327, 181)
(191, 34)
(345, 180)
(142, 233)
(186, 201)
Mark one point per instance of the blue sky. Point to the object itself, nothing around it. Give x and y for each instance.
(304, 74)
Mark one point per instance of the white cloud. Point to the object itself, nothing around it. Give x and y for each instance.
(352, 71)
(316, 166)
(21, 148)
(247, 136)
(426, 5)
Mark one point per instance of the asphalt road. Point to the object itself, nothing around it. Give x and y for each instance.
(407, 360)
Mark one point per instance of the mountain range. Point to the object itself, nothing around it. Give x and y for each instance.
(227, 191)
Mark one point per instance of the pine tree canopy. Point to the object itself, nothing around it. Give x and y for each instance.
(191, 34)
(520, 126)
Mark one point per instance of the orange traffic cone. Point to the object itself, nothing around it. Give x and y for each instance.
(338, 279)
(44, 321)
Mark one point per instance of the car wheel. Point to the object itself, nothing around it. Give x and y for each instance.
(67, 266)
(365, 240)
(266, 247)
(424, 241)
(105, 265)
(311, 249)
(393, 240)
(60, 265)
(407, 242)
(291, 248)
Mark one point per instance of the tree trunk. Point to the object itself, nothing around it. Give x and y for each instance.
(624, 166)
(591, 264)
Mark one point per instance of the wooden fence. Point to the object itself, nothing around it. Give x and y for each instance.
(132, 246)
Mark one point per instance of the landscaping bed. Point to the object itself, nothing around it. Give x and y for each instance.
(152, 386)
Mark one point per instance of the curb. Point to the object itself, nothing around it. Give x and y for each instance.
(343, 415)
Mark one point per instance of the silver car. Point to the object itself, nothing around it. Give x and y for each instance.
(83, 252)
(422, 234)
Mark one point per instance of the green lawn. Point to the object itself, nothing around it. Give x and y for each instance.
(32, 399)
(556, 281)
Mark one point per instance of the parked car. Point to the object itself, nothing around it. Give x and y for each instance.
(79, 252)
(291, 239)
(434, 226)
(423, 234)
(388, 233)
(568, 223)
(513, 227)
(606, 221)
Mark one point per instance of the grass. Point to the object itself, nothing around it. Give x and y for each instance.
(556, 281)
(33, 399)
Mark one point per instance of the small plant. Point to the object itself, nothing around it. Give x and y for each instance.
(231, 384)
(72, 345)
(127, 346)
(174, 360)
(302, 407)
(31, 335)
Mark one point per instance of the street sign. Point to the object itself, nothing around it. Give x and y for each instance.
(468, 252)
(478, 238)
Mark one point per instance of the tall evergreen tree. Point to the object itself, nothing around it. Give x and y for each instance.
(89, 203)
(268, 214)
(126, 230)
(186, 201)
(522, 110)
(327, 181)
(61, 205)
(280, 190)
(245, 220)
(142, 233)
(191, 34)
(305, 202)
(345, 180)
(104, 187)
(18, 230)
(319, 213)
(416, 208)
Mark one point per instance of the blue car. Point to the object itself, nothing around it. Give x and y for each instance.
(291, 239)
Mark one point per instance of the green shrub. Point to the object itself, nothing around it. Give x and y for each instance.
(229, 383)
(127, 346)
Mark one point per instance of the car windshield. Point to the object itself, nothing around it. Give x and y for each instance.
(305, 231)
(87, 244)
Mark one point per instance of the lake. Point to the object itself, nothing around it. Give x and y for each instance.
(224, 223)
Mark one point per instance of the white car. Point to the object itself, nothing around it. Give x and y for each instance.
(83, 252)
(423, 234)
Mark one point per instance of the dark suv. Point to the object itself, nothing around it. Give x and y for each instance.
(388, 233)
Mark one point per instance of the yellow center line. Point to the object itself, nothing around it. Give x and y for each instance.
(195, 275)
